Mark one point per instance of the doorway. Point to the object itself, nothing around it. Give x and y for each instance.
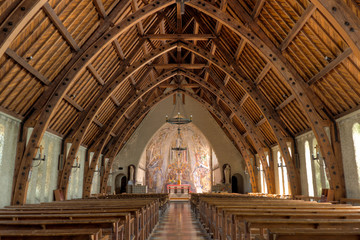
(120, 183)
(237, 183)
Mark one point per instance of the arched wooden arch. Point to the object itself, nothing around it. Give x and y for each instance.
(239, 140)
(247, 123)
(267, 111)
(16, 21)
(297, 86)
(21, 183)
(132, 99)
(118, 143)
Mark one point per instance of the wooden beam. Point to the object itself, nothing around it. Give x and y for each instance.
(18, 18)
(298, 26)
(188, 85)
(263, 73)
(330, 66)
(197, 37)
(284, 103)
(73, 103)
(178, 16)
(97, 122)
(261, 122)
(257, 9)
(96, 75)
(243, 99)
(60, 26)
(226, 80)
(116, 102)
(180, 65)
(239, 49)
(19, 60)
(118, 50)
(100, 8)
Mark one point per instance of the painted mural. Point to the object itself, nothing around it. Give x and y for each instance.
(164, 165)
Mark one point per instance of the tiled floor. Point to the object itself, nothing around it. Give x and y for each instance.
(178, 222)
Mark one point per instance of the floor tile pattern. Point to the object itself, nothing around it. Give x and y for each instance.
(178, 223)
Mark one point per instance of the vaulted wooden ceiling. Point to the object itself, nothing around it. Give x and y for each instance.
(90, 70)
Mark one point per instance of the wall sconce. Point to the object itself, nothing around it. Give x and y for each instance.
(77, 166)
(246, 171)
(281, 165)
(41, 157)
(100, 171)
(317, 158)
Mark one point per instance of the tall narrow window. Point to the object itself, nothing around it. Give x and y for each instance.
(283, 177)
(263, 179)
(356, 139)
(2, 142)
(309, 169)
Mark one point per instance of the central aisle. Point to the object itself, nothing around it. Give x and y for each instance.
(178, 222)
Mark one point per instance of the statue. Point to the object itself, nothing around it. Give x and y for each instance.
(131, 175)
(227, 170)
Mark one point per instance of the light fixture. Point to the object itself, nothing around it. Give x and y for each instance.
(41, 157)
(318, 158)
(29, 58)
(327, 58)
(77, 165)
(281, 164)
(178, 119)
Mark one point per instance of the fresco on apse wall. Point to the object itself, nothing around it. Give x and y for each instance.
(166, 166)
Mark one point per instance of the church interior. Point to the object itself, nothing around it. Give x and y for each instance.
(180, 119)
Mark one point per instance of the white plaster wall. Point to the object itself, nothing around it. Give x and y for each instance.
(11, 127)
(43, 175)
(75, 187)
(351, 173)
(222, 146)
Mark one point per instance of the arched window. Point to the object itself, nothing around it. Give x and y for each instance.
(2, 142)
(356, 139)
(309, 169)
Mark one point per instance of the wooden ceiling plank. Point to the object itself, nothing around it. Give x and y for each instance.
(257, 9)
(263, 73)
(19, 60)
(100, 8)
(331, 66)
(96, 75)
(60, 26)
(284, 103)
(73, 103)
(298, 26)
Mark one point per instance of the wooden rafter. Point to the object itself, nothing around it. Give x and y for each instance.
(100, 8)
(286, 102)
(257, 9)
(179, 65)
(19, 60)
(344, 55)
(197, 37)
(263, 74)
(298, 26)
(60, 26)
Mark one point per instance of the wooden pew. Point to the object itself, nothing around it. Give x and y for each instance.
(54, 234)
(310, 234)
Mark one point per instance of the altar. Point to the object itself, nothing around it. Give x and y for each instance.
(178, 192)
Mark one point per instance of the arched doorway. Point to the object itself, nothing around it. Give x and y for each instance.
(237, 183)
(120, 183)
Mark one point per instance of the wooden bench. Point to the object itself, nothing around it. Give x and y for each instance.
(54, 234)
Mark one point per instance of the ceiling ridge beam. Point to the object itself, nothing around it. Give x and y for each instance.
(263, 73)
(298, 26)
(21, 61)
(60, 26)
(177, 36)
(330, 66)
